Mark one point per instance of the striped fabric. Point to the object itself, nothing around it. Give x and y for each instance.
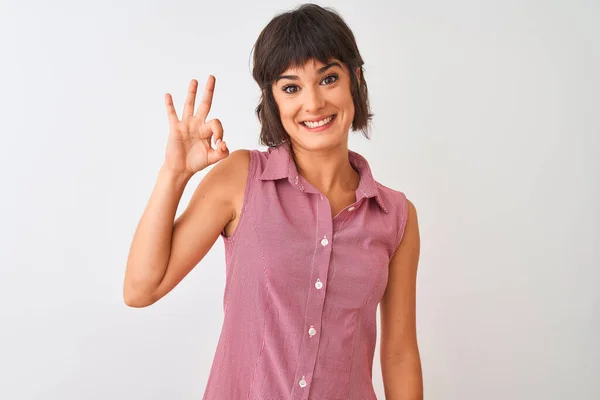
(302, 288)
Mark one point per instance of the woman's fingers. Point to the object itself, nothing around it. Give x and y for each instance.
(190, 101)
(220, 152)
(212, 129)
(206, 102)
(171, 113)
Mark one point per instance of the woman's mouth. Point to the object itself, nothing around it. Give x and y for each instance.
(318, 126)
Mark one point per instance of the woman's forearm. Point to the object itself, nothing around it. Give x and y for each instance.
(403, 378)
(151, 244)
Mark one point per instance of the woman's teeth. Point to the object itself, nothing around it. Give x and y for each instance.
(319, 123)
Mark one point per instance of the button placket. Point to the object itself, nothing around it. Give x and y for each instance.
(316, 299)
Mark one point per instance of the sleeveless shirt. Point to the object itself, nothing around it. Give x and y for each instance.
(302, 288)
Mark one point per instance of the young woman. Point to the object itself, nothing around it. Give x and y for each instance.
(313, 242)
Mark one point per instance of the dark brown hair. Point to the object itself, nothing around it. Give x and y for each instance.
(291, 39)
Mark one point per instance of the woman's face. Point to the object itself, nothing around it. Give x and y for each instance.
(315, 104)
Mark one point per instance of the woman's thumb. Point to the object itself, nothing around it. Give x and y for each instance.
(220, 151)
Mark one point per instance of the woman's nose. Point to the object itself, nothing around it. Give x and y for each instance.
(314, 101)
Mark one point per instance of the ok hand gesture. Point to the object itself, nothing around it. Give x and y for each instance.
(189, 147)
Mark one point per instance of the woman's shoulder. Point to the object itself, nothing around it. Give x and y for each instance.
(240, 163)
(388, 192)
(231, 173)
(395, 200)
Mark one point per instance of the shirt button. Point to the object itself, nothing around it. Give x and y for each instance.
(312, 331)
(324, 241)
(318, 284)
(351, 209)
(302, 382)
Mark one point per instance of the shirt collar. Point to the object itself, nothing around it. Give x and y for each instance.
(280, 164)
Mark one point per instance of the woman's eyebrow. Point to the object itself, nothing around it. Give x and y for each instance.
(320, 71)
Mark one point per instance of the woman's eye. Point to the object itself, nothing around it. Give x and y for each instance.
(329, 79)
(285, 89)
(334, 76)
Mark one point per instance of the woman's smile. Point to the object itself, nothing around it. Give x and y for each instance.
(318, 126)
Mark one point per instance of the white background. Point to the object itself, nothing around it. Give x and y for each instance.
(487, 117)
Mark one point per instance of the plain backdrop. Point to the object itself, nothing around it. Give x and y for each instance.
(486, 116)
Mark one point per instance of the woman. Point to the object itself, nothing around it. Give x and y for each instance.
(313, 243)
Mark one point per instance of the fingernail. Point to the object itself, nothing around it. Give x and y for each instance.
(217, 142)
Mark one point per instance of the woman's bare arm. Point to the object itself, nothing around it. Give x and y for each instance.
(163, 252)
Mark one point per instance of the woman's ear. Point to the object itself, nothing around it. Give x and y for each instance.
(358, 75)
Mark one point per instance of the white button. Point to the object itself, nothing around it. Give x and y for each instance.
(302, 382)
(351, 209)
(312, 331)
(324, 241)
(318, 284)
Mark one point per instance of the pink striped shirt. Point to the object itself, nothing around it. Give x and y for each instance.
(302, 288)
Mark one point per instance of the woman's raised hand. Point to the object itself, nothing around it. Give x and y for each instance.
(189, 148)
